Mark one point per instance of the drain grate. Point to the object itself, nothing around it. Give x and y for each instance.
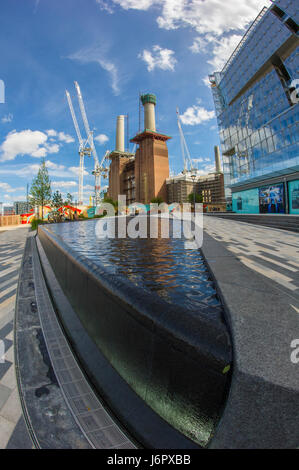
(94, 421)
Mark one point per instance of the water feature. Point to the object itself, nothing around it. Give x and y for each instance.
(160, 265)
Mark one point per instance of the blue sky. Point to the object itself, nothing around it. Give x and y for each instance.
(114, 49)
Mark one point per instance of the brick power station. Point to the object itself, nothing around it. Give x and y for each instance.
(141, 177)
(145, 175)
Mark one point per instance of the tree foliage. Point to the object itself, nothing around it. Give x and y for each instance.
(198, 198)
(57, 200)
(40, 190)
(69, 199)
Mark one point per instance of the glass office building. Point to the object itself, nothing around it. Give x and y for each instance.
(257, 109)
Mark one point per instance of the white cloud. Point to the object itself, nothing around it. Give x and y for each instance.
(64, 184)
(105, 6)
(51, 133)
(23, 143)
(136, 4)
(27, 142)
(196, 114)
(158, 58)
(36, 144)
(53, 166)
(39, 153)
(68, 139)
(4, 186)
(52, 148)
(89, 55)
(75, 170)
(89, 187)
(212, 20)
(212, 16)
(60, 136)
(7, 118)
(222, 50)
(101, 139)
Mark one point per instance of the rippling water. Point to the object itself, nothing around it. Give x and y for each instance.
(159, 265)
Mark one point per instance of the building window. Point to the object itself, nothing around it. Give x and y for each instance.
(278, 12)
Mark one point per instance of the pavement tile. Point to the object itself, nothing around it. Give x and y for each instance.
(4, 395)
(9, 379)
(12, 410)
(6, 430)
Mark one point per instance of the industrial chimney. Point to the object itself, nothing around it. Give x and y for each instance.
(120, 134)
(217, 159)
(149, 103)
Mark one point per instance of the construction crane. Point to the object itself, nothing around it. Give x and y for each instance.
(83, 148)
(99, 168)
(185, 151)
(99, 171)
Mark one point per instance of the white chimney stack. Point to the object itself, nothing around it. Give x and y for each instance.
(120, 134)
(217, 159)
(149, 103)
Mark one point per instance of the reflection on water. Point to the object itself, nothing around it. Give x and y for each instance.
(161, 265)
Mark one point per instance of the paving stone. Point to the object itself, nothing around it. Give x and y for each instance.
(4, 395)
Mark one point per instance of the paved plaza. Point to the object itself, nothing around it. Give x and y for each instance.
(13, 433)
(271, 252)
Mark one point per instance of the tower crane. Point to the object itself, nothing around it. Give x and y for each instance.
(184, 148)
(83, 148)
(99, 168)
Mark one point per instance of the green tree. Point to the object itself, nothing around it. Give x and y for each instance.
(40, 190)
(198, 198)
(57, 200)
(69, 199)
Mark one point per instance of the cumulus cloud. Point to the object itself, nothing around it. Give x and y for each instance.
(75, 170)
(101, 139)
(219, 48)
(196, 114)
(36, 144)
(158, 58)
(135, 4)
(54, 166)
(51, 133)
(222, 51)
(95, 54)
(64, 184)
(212, 16)
(205, 169)
(104, 5)
(7, 118)
(23, 143)
(7, 188)
(212, 20)
(68, 139)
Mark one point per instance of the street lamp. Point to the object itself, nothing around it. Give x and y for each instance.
(193, 176)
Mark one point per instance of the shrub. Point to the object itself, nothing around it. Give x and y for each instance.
(35, 223)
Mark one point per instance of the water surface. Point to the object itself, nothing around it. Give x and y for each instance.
(162, 266)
